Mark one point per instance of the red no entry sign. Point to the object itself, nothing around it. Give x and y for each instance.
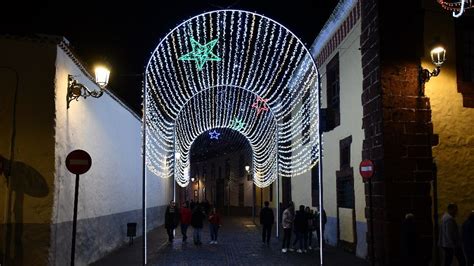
(78, 162)
(366, 169)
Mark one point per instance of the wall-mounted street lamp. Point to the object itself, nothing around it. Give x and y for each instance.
(76, 89)
(438, 56)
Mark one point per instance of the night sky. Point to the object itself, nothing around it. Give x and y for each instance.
(124, 35)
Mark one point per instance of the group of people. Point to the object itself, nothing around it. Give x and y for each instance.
(192, 214)
(303, 222)
(453, 240)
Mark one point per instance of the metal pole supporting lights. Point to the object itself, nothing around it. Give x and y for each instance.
(76, 89)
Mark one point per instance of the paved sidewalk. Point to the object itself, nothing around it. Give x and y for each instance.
(239, 244)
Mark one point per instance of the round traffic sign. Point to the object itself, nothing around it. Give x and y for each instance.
(78, 162)
(366, 169)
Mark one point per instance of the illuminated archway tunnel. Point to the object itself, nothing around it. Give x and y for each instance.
(232, 69)
(213, 108)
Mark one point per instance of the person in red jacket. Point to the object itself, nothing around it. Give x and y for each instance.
(184, 219)
(214, 224)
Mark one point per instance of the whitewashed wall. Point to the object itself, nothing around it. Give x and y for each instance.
(110, 193)
(350, 72)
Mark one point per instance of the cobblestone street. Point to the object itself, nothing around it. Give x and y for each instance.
(239, 244)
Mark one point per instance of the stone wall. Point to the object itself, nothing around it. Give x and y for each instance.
(397, 127)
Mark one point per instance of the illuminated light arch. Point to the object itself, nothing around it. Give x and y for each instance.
(257, 57)
(260, 132)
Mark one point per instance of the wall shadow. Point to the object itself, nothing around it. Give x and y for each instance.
(21, 179)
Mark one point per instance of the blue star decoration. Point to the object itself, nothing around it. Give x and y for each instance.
(201, 53)
(236, 124)
(214, 134)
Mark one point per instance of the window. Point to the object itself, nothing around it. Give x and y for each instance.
(333, 115)
(465, 61)
(345, 152)
(345, 155)
(345, 176)
(467, 50)
(345, 192)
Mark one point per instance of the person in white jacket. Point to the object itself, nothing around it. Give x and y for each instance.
(450, 237)
(287, 224)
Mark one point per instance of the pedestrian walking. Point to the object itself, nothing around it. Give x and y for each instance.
(287, 224)
(266, 220)
(197, 218)
(214, 224)
(408, 241)
(468, 238)
(171, 220)
(301, 228)
(449, 237)
(185, 219)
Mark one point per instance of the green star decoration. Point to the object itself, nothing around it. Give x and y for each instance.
(201, 53)
(236, 124)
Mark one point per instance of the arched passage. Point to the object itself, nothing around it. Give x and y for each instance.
(219, 159)
(213, 108)
(228, 49)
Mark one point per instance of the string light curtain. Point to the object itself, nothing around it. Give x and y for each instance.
(232, 69)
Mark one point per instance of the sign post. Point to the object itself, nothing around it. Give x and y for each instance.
(366, 170)
(77, 162)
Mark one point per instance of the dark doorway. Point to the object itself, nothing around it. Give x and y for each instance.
(346, 219)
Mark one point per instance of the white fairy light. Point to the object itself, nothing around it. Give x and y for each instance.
(258, 57)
